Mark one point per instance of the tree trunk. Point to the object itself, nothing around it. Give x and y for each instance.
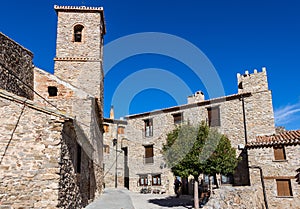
(196, 196)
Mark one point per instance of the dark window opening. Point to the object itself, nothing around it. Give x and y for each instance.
(178, 118)
(156, 180)
(143, 180)
(106, 148)
(279, 153)
(149, 154)
(284, 188)
(214, 116)
(148, 127)
(227, 179)
(78, 33)
(240, 86)
(52, 91)
(78, 162)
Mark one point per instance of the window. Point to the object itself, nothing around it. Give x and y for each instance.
(121, 130)
(213, 116)
(52, 91)
(148, 127)
(106, 148)
(279, 153)
(143, 181)
(284, 188)
(156, 180)
(106, 128)
(149, 154)
(228, 179)
(78, 160)
(78, 33)
(178, 118)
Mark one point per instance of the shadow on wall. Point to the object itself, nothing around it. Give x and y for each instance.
(241, 174)
(77, 177)
(298, 176)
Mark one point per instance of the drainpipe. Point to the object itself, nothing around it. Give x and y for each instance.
(262, 184)
(244, 119)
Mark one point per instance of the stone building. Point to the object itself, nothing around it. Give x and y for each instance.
(241, 117)
(273, 162)
(51, 143)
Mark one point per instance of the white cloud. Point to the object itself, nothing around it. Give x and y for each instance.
(286, 114)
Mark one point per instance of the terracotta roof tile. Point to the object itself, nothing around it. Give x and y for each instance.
(286, 137)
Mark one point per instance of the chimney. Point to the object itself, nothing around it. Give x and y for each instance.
(112, 113)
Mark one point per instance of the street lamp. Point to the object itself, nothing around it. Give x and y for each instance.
(115, 143)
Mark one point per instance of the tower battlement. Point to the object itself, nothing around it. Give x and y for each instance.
(253, 82)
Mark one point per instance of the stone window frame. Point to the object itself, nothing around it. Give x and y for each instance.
(121, 130)
(143, 180)
(283, 187)
(52, 91)
(279, 153)
(214, 119)
(178, 118)
(78, 28)
(148, 127)
(149, 154)
(156, 179)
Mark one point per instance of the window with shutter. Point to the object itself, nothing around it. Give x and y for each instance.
(284, 188)
(121, 130)
(178, 118)
(279, 153)
(213, 116)
(149, 154)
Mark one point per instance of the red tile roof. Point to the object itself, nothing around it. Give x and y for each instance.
(285, 138)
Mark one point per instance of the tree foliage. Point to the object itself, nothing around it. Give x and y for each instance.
(192, 150)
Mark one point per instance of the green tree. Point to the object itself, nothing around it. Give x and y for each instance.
(192, 150)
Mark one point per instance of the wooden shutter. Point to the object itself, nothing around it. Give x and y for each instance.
(149, 154)
(213, 116)
(283, 187)
(121, 130)
(279, 153)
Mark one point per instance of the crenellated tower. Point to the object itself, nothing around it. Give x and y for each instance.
(254, 82)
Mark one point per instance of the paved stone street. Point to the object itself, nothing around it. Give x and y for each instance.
(124, 199)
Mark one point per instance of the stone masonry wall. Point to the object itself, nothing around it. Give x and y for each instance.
(80, 63)
(272, 170)
(259, 121)
(30, 152)
(16, 69)
(236, 198)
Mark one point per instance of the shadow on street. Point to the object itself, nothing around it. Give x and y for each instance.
(170, 202)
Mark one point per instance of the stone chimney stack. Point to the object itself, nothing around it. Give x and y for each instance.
(197, 97)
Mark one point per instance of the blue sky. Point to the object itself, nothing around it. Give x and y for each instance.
(234, 35)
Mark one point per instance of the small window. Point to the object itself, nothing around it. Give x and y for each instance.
(52, 91)
(149, 154)
(143, 181)
(121, 130)
(78, 33)
(148, 127)
(284, 188)
(279, 153)
(213, 116)
(78, 160)
(105, 128)
(227, 179)
(106, 149)
(178, 118)
(156, 180)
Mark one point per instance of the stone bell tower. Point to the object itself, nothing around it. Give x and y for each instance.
(79, 47)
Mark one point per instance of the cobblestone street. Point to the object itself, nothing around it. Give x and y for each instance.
(124, 199)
